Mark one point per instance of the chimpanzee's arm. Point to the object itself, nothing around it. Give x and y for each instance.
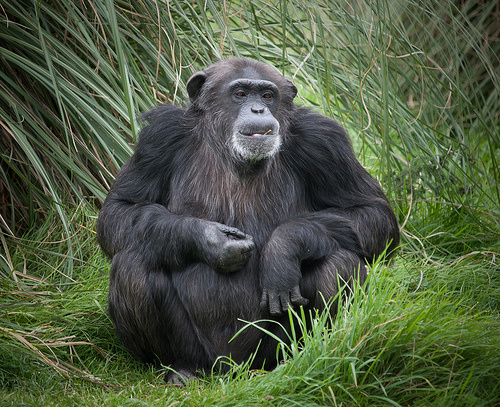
(336, 183)
(134, 215)
(349, 212)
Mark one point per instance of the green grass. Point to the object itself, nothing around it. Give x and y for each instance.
(420, 335)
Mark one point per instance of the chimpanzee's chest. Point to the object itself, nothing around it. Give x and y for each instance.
(255, 205)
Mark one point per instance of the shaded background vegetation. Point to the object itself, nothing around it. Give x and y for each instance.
(417, 84)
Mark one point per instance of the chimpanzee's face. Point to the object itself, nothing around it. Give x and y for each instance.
(255, 134)
(244, 103)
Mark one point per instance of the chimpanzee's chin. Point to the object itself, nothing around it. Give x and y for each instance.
(256, 148)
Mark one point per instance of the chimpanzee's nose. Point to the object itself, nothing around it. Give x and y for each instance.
(257, 108)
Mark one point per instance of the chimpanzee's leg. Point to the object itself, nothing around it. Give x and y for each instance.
(320, 284)
(150, 319)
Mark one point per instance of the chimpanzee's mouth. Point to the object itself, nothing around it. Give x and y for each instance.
(256, 143)
(263, 134)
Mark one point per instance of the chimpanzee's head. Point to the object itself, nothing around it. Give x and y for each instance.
(247, 104)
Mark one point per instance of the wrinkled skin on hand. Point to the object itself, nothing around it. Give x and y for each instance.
(225, 249)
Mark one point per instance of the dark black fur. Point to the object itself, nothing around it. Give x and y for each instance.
(180, 280)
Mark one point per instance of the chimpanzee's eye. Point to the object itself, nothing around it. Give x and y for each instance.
(267, 95)
(240, 94)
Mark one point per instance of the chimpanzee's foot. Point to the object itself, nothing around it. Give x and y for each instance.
(180, 376)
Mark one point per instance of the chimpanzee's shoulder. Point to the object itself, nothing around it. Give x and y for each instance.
(164, 136)
(163, 122)
(313, 127)
(317, 140)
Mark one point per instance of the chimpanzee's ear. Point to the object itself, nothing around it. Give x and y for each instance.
(194, 84)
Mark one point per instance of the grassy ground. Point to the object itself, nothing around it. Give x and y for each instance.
(423, 334)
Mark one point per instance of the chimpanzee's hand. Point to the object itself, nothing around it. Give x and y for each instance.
(278, 301)
(280, 276)
(224, 248)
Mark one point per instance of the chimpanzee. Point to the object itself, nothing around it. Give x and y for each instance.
(235, 209)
